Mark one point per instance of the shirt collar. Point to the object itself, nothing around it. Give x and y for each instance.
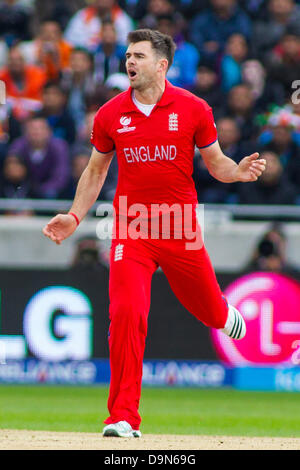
(168, 97)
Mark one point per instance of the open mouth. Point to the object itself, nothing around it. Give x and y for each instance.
(131, 73)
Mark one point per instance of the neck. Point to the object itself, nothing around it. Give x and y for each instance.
(18, 76)
(108, 48)
(79, 77)
(37, 146)
(103, 12)
(152, 94)
(224, 13)
(281, 18)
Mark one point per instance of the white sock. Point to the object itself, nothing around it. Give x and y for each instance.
(235, 326)
(230, 319)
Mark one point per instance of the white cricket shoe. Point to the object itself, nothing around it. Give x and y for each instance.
(121, 429)
(235, 326)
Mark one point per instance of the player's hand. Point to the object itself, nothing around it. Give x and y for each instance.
(250, 168)
(60, 227)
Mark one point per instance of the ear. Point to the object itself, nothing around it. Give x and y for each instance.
(163, 65)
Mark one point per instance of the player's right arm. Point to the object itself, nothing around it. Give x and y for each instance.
(89, 186)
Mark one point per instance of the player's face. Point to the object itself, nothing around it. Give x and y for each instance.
(143, 65)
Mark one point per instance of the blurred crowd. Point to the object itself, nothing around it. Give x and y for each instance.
(61, 60)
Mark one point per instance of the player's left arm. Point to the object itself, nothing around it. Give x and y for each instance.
(226, 170)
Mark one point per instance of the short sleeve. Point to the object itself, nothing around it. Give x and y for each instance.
(206, 132)
(100, 138)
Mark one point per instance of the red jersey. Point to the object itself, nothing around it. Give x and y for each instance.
(155, 153)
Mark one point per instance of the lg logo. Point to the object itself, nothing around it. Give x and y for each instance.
(57, 326)
(270, 305)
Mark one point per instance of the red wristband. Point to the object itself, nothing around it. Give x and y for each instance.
(75, 217)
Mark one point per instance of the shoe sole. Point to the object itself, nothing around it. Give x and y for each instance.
(114, 433)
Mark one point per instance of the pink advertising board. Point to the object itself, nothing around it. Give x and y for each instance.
(270, 305)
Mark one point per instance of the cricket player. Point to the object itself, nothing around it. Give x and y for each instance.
(153, 128)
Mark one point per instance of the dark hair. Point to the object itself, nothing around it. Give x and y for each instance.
(50, 19)
(166, 17)
(291, 30)
(82, 50)
(108, 21)
(267, 248)
(52, 84)
(161, 43)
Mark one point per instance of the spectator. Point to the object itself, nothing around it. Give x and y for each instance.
(84, 28)
(210, 30)
(273, 186)
(89, 255)
(281, 133)
(241, 107)
(14, 22)
(48, 50)
(281, 137)
(136, 9)
(264, 90)
(24, 84)
(15, 180)
(293, 109)
(270, 253)
(58, 10)
(231, 65)
(80, 159)
(183, 71)
(55, 112)
(108, 190)
(256, 9)
(284, 67)
(229, 137)
(267, 33)
(10, 129)
(84, 136)
(66, 85)
(188, 8)
(155, 9)
(109, 56)
(78, 83)
(209, 190)
(115, 84)
(207, 87)
(83, 145)
(149, 10)
(46, 157)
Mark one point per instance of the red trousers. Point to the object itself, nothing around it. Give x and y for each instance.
(133, 262)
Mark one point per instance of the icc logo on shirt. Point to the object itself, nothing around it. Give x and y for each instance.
(125, 121)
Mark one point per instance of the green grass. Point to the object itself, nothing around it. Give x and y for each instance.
(170, 411)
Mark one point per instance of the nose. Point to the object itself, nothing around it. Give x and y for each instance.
(130, 61)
